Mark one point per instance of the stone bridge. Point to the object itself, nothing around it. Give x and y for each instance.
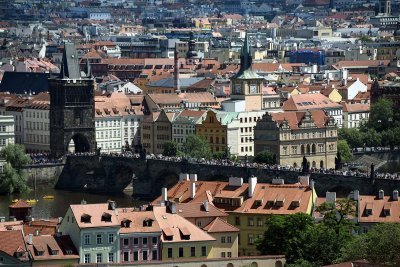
(110, 174)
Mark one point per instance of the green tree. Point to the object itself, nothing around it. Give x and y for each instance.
(381, 114)
(265, 157)
(197, 147)
(14, 177)
(352, 136)
(170, 149)
(284, 236)
(344, 151)
(380, 245)
(371, 138)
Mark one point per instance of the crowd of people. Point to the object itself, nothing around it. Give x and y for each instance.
(42, 158)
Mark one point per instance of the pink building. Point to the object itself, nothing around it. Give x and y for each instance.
(139, 236)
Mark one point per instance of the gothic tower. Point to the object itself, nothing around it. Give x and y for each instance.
(71, 107)
(247, 84)
(385, 7)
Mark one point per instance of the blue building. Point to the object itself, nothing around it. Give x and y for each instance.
(307, 57)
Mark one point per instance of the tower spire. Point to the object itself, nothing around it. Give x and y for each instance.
(245, 55)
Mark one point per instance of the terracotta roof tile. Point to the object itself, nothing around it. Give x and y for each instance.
(220, 226)
(136, 219)
(15, 243)
(196, 210)
(377, 207)
(95, 213)
(20, 204)
(62, 247)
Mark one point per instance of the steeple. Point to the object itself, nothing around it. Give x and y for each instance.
(245, 56)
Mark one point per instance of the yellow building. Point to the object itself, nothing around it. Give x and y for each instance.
(293, 135)
(249, 205)
(214, 222)
(180, 238)
(214, 131)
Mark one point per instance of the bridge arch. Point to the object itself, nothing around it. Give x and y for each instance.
(78, 143)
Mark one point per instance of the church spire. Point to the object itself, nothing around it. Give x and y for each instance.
(245, 56)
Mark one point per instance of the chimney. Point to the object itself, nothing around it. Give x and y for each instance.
(304, 180)
(252, 185)
(381, 194)
(356, 195)
(395, 195)
(206, 206)
(173, 207)
(330, 197)
(183, 177)
(30, 239)
(193, 177)
(59, 220)
(192, 190)
(37, 232)
(235, 181)
(164, 194)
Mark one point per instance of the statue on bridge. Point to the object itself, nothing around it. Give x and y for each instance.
(305, 165)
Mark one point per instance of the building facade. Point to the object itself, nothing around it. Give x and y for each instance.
(7, 135)
(291, 136)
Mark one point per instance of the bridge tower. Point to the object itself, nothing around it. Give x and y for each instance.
(72, 107)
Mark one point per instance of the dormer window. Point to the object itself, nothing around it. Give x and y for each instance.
(106, 217)
(368, 209)
(126, 223)
(386, 209)
(147, 223)
(185, 234)
(86, 218)
(39, 251)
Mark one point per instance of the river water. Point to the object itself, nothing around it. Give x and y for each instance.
(57, 207)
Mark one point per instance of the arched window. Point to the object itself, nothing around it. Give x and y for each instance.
(217, 140)
(308, 149)
(321, 164)
(211, 140)
(302, 149)
(313, 149)
(314, 164)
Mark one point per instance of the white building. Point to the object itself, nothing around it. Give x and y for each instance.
(241, 134)
(117, 122)
(99, 15)
(355, 114)
(36, 116)
(185, 125)
(7, 135)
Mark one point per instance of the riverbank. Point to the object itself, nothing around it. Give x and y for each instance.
(62, 199)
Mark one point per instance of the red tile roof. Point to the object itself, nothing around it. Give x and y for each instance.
(14, 243)
(62, 245)
(20, 204)
(220, 226)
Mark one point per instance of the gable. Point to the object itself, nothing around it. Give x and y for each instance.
(9, 260)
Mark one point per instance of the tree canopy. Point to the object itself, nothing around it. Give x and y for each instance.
(14, 178)
(344, 151)
(170, 149)
(196, 147)
(306, 242)
(381, 245)
(265, 157)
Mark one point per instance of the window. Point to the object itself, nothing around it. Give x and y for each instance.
(87, 240)
(110, 257)
(180, 252)
(203, 251)
(223, 239)
(99, 257)
(135, 255)
(251, 239)
(169, 253)
(87, 258)
(222, 254)
(154, 255)
(192, 251)
(260, 222)
(229, 239)
(250, 221)
(144, 240)
(126, 255)
(237, 220)
(126, 241)
(199, 224)
(110, 238)
(99, 239)
(229, 254)
(136, 241)
(145, 255)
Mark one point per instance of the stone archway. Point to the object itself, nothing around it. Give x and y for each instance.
(78, 144)
(314, 164)
(321, 164)
(278, 264)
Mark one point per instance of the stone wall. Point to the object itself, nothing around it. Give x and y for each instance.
(112, 174)
(43, 174)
